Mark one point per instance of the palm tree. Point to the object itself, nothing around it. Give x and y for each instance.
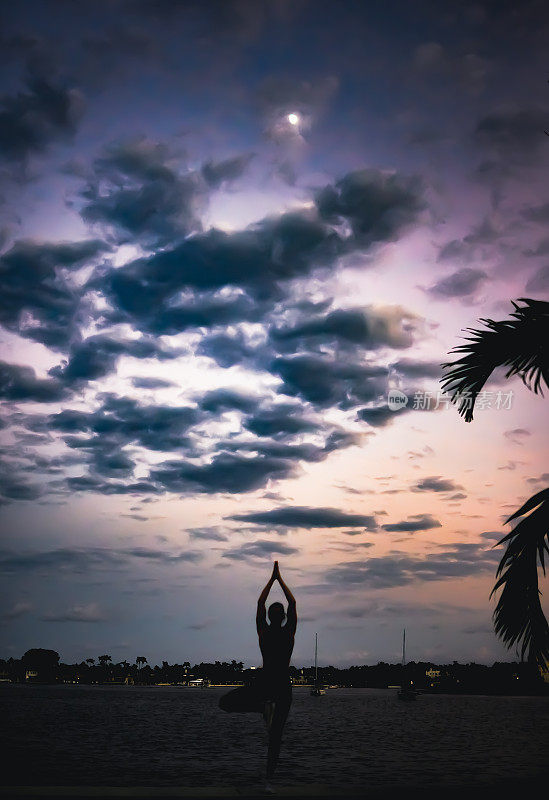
(140, 660)
(518, 614)
(522, 345)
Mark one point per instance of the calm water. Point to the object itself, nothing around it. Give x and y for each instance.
(155, 736)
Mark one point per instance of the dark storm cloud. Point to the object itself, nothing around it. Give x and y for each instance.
(276, 249)
(89, 483)
(418, 522)
(539, 213)
(516, 435)
(390, 571)
(20, 383)
(372, 328)
(377, 609)
(513, 131)
(110, 462)
(328, 380)
(211, 534)
(541, 249)
(219, 400)
(260, 549)
(138, 191)
(117, 423)
(304, 451)
(378, 206)
(305, 517)
(256, 261)
(204, 310)
(539, 282)
(217, 173)
(82, 560)
(152, 383)
(20, 47)
(358, 533)
(496, 535)
(543, 478)
(14, 485)
(475, 246)
(350, 546)
(31, 120)
(478, 629)
(454, 249)
(436, 483)
(123, 420)
(462, 283)
(31, 283)
(200, 626)
(31, 438)
(349, 324)
(96, 356)
(512, 138)
(240, 466)
(280, 420)
(226, 472)
(226, 349)
(379, 416)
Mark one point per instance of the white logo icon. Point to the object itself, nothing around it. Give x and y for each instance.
(396, 399)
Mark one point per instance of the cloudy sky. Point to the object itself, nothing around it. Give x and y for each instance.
(228, 229)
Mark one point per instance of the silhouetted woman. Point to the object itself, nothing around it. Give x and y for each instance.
(271, 693)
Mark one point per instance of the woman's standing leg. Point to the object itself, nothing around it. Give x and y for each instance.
(282, 707)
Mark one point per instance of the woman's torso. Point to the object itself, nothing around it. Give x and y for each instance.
(276, 645)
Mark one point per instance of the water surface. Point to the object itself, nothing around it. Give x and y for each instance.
(157, 736)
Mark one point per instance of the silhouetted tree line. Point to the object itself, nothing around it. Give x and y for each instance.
(500, 678)
(39, 665)
(44, 666)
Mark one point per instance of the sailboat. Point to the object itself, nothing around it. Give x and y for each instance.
(406, 692)
(317, 690)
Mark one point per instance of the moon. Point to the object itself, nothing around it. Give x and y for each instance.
(293, 119)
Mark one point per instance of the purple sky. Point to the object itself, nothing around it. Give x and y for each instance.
(228, 230)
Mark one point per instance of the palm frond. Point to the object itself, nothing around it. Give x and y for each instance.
(521, 344)
(518, 616)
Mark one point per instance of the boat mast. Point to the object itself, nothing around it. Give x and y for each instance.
(404, 647)
(316, 654)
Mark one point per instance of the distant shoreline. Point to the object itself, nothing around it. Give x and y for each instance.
(542, 691)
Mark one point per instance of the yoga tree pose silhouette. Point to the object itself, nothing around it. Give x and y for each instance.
(271, 692)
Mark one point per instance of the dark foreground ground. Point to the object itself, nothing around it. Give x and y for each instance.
(390, 792)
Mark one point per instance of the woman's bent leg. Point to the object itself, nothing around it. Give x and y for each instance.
(244, 699)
